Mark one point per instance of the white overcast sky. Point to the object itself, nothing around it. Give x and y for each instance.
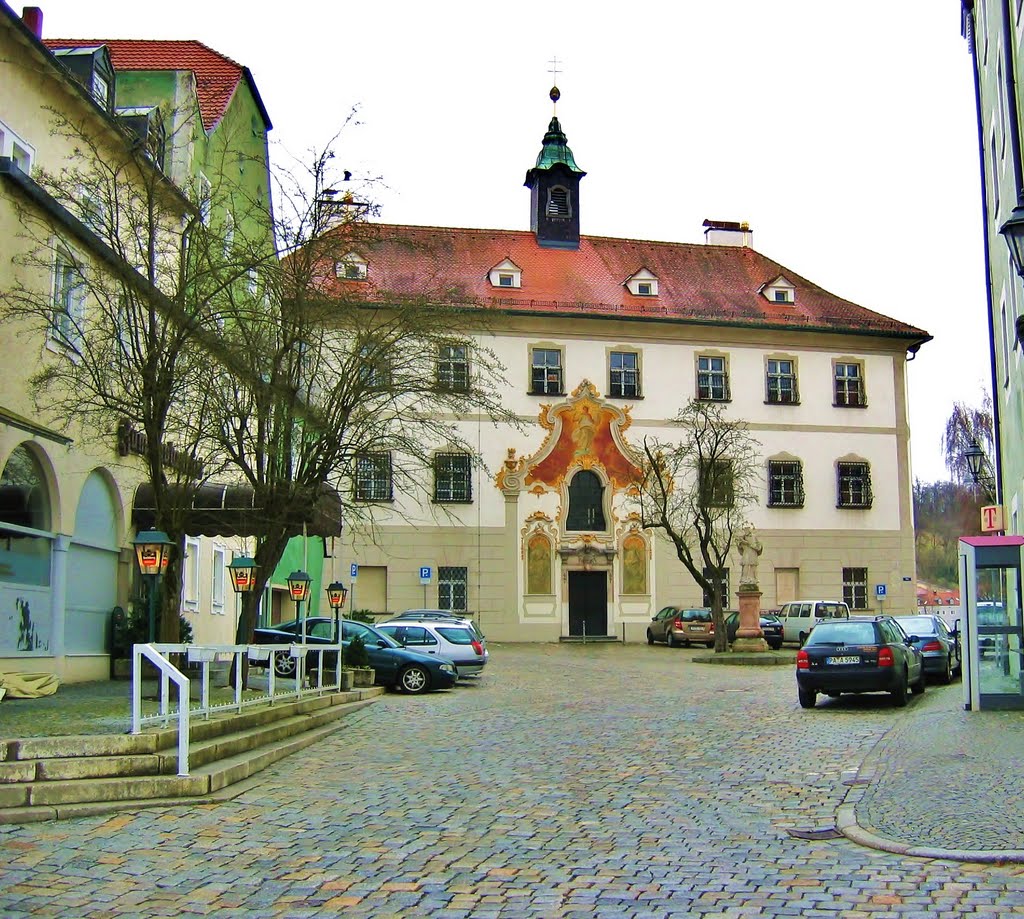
(843, 132)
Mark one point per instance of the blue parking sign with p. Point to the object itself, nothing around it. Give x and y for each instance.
(425, 574)
(879, 590)
(354, 571)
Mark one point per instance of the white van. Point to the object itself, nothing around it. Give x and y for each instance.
(800, 616)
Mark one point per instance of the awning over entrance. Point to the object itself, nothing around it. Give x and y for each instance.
(229, 510)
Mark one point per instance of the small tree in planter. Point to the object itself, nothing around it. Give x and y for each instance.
(359, 661)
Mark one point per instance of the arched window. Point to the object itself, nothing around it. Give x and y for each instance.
(586, 502)
(24, 521)
(558, 202)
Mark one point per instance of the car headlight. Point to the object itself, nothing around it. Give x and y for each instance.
(447, 668)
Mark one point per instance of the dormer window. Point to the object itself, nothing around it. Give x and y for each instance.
(643, 284)
(506, 274)
(352, 267)
(779, 291)
(92, 68)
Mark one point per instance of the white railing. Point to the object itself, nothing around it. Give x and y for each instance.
(207, 656)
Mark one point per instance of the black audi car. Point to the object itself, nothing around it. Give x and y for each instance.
(859, 655)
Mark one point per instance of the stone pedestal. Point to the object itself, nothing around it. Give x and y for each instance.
(749, 636)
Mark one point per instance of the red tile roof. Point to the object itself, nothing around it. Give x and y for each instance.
(217, 76)
(696, 282)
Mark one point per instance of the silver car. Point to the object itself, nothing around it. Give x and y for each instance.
(454, 639)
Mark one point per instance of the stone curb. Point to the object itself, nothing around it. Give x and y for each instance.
(846, 823)
(749, 658)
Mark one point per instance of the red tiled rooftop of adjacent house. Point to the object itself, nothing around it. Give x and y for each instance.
(696, 281)
(217, 76)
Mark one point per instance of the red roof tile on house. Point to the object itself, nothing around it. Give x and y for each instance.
(696, 282)
(217, 77)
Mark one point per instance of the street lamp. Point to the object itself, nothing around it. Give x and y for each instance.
(298, 590)
(336, 594)
(1013, 233)
(153, 552)
(243, 574)
(975, 457)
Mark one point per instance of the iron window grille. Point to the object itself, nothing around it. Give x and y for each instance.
(785, 484)
(708, 597)
(855, 587)
(452, 588)
(624, 373)
(373, 477)
(854, 485)
(849, 385)
(453, 368)
(712, 379)
(452, 479)
(546, 377)
(782, 389)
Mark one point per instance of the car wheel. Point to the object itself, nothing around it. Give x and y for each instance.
(899, 694)
(670, 639)
(285, 664)
(918, 687)
(807, 697)
(946, 676)
(650, 637)
(414, 679)
(776, 646)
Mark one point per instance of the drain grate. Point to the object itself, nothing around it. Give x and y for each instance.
(828, 833)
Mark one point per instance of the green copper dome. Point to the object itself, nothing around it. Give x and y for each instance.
(556, 150)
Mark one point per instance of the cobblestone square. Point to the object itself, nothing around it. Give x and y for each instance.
(596, 780)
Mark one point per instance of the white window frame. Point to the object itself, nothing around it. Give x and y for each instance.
(190, 575)
(352, 267)
(67, 299)
(12, 146)
(217, 579)
(506, 274)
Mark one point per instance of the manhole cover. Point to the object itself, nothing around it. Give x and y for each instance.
(829, 833)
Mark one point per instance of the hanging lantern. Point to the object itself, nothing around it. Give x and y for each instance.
(298, 586)
(243, 574)
(152, 551)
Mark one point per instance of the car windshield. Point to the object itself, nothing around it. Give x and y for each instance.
(918, 625)
(456, 634)
(843, 633)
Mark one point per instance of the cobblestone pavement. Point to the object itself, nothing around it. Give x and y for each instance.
(597, 781)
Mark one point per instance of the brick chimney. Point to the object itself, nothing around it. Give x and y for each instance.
(32, 16)
(728, 233)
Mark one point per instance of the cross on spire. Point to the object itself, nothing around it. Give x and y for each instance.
(554, 94)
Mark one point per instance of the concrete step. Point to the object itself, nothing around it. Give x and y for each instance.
(54, 786)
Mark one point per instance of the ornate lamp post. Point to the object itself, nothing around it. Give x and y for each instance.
(336, 594)
(298, 590)
(152, 551)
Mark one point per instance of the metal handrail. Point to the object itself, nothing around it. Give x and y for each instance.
(167, 672)
(205, 655)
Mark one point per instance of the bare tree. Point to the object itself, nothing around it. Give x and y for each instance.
(697, 489)
(338, 386)
(969, 428)
(130, 323)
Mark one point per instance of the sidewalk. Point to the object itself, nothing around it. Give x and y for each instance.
(943, 784)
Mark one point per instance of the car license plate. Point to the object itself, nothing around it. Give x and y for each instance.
(842, 660)
(696, 628)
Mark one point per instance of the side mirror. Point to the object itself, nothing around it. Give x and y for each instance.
(381, 643)
(913, 639)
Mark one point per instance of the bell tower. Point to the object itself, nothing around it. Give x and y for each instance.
(554, 184)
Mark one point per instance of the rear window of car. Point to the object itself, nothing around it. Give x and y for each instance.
(844, 633)
(695, 615)
(456, 635)
(918, 625)
(831, 611)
